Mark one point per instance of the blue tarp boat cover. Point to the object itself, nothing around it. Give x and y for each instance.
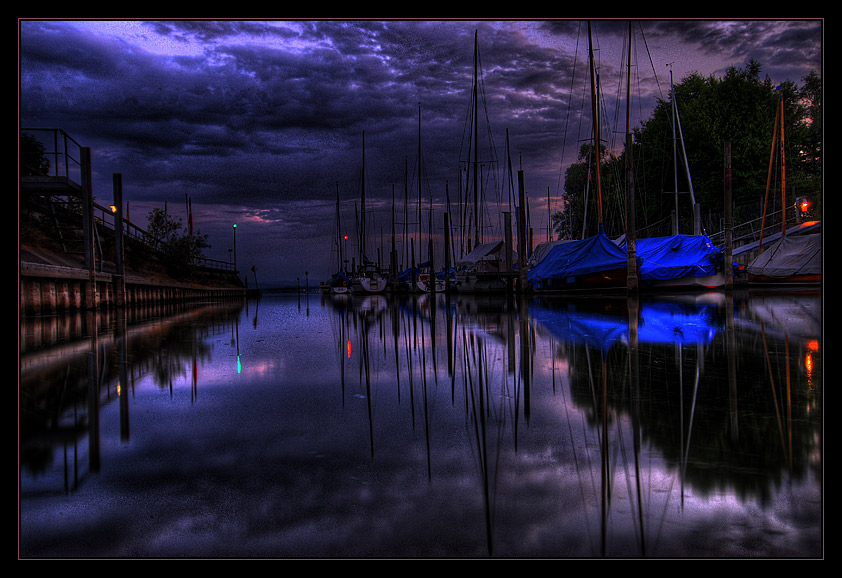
(575, 258)
(408, 273)
(661, 323)
(677, 256)
(340, 280)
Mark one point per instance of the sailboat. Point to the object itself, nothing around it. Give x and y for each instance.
(425, 278)
(680, 261)
(486, 267)
(429, 281)
(339, 282)
(368, 278)
(792, 259)
(596, 262)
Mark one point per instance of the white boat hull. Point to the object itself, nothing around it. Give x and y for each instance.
(369, 285)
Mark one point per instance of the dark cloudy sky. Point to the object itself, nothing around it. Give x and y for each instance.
(259, 122)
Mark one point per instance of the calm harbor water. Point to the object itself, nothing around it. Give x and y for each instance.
(309, 426)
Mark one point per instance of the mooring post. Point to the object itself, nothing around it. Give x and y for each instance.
(521, 232)
(729, 222)
(119, 276)
(88, 225)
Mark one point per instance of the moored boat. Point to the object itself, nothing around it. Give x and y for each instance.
(369, 280)
(484, 269)
(793, 259)
(680, 262)
(593, 263)
(590, 263)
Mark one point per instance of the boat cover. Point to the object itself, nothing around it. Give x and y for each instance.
(574, 258)
(660, 322)
(408, 272)
(788, 257)
(482, 251)
(541, 251)
(340, 280)
(677, 256)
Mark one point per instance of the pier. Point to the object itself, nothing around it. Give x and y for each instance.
(75, 253)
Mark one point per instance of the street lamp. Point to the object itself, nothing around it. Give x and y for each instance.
(803, 204)
(235, 246)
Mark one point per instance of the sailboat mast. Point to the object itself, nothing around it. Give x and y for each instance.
(476, 139)
(393, 255)
(549, 217)
(778, 115)
(338, 228)
(419, 185)
(783, 172)
(362, 209)
(406, 211)
(595, 128)
(697, 227)
(631, 224)
(675, 159)
(420, 226)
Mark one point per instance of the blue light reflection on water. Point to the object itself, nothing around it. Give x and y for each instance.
(314, 427)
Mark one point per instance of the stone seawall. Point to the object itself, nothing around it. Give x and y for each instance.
(49, 289)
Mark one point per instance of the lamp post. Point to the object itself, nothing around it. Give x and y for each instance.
(235, 246)
(802, 205)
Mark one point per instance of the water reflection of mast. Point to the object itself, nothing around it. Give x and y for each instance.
(786, 444)
(364, 353)
(525, 358)
(449, 318)
(396, 332)
(602, 409)
(634, 378)
(433, 314)
(410, 366)
(477, 411)
(93, 397)
(120, 330)
(343, 344)
(424, 395)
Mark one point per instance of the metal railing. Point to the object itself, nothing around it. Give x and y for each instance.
(749, 231)
(64, 156)
(59, 148)
(106, 217)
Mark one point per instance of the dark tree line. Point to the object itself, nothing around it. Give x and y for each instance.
(739, 108)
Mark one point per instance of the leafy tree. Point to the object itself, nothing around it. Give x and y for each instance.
(738, 108)
(809, 151)
(582, 207)
(180, 250)
(33, 157)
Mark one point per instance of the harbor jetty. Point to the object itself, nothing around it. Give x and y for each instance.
(76, 254)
